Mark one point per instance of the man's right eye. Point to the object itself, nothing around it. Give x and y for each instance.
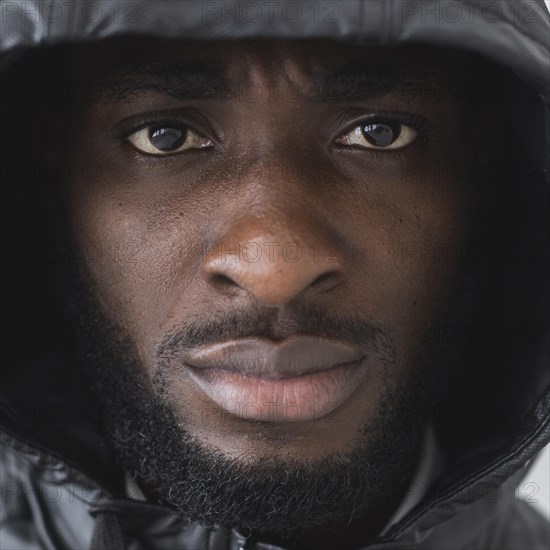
(162, 140)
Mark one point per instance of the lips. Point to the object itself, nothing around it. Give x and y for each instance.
(299, 380)
(267, 360)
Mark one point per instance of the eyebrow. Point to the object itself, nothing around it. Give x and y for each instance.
(188, 81)
(364, 80)
(183, 80)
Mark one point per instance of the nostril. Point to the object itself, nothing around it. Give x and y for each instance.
(222, 280)
(222, 283)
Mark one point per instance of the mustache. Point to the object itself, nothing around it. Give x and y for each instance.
(311, 321)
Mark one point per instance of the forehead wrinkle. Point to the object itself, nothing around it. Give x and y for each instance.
(320, 74)
(280, 63)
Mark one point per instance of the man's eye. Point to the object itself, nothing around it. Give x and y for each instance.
(164, 139)
(380, 134)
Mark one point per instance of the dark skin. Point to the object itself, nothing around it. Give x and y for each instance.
(279, 165)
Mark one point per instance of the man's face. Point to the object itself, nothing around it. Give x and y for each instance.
(283, 194)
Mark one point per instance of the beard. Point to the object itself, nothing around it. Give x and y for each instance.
(285, 500)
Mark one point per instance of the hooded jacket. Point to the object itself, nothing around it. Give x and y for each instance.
(60, 487)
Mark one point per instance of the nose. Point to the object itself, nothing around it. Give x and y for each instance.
(274, 267)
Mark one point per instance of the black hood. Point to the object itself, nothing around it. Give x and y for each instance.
(495, 421)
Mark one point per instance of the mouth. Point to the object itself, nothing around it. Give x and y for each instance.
(293, 381)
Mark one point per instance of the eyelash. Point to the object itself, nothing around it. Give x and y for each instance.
(417, 122)
(124, 131)
(421, 125)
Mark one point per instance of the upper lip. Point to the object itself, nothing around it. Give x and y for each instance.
(262, 358)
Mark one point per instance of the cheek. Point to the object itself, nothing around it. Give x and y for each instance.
(134, 261)
(431, 256)
(413, 237)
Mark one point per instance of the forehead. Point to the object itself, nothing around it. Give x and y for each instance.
(304, 63)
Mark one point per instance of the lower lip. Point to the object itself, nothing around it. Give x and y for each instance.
(296, 399)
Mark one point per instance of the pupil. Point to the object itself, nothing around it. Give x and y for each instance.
(381, 134)
(167, 139)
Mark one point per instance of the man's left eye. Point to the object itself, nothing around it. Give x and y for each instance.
(380, 134)
(165, 139)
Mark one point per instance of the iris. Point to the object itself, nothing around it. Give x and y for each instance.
(167, 139)
(381, 134)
